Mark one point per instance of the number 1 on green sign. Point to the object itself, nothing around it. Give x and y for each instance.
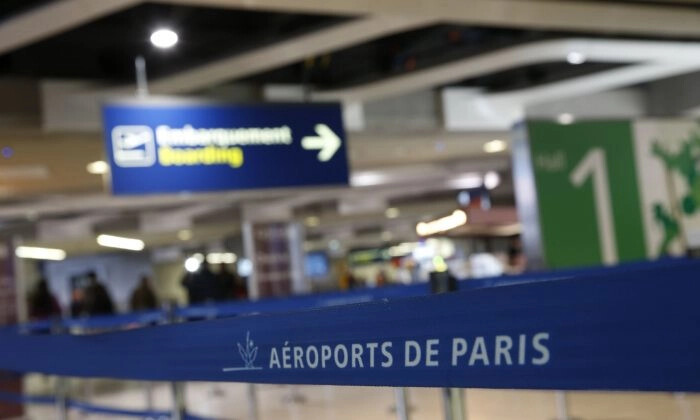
(594, 164)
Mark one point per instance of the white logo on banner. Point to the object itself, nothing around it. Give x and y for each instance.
(248, 352)
(496, 350)
(133, 146)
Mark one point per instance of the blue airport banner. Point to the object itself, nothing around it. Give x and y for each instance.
(627, 330)
(156, 148)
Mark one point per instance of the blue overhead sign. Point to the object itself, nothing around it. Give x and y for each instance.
(175, 148)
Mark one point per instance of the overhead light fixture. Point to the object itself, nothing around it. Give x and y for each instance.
(312, 221)
(221, 258)
(491, 180)
(164, 38)
(495, 146)
(456, 219)
(402, 249)
(368, 178)
(119, 242)
(575, 58)
(184, 235)
(466, 181)
(39, 253)
(392, 213)
(565, 118)
(98, 167)
(387, 236)
(192, 264)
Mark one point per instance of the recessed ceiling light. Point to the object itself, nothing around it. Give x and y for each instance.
(192, 264)
(39, 253)
(466, 181)
(565, 118)
(491, 180)
(119, 242)
(392, 213)
(575, 58)
(312, 221)
(494, 146)
(99, 167)
(184, 235)
(164, 38)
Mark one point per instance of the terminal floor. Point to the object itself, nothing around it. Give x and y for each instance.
(228, 401)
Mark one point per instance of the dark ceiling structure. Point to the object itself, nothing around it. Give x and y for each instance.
(104, 49)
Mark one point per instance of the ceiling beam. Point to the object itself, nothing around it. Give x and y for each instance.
(605, 16)
(680, 55)
(54, 18)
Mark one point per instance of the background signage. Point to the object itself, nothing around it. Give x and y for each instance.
(610, 191)
(155, 148)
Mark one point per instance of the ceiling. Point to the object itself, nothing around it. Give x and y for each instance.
(104, 49)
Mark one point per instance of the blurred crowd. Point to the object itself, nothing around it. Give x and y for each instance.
(93, 298)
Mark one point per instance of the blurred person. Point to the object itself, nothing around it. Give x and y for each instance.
(227, 281)
(202, 285)
(143, 297)
(233, 285)
(516, 258)
(380, 280)
(240, 288)
(346, 280)
(42, 304)
(97, 299)
(77, 302)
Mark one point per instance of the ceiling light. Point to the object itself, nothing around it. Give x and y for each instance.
(312, 221)
(491, 180)
(229, 258)
(457, 218)
(368, 178)
(495, 146)
(575, 58)
(38, 253)
(387, 236)
(466, 181)
(192, 264)
(111, 241)
(98, 167)
(184, 235)
(565, 118)
(164, 38)
(221, 258)
(392, 213)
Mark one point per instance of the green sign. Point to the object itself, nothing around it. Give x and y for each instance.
(614, 191)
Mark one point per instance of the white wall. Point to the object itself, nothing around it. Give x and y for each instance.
(167, 282)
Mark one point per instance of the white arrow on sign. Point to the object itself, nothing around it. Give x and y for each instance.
(326, 141)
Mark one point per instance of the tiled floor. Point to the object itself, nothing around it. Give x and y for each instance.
(229, 401)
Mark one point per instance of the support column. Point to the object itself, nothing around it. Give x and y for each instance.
(274, 245)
